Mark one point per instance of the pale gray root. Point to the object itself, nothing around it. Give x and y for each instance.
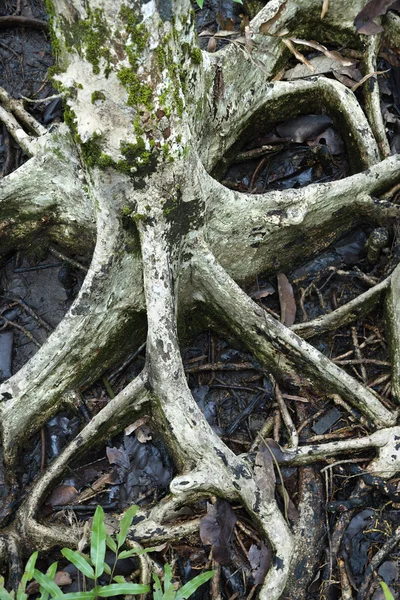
(23, 139)
(16, 107)
(275, 345)
(104, 322)
(111, 420)
(385, 441)
(345, 314)
(247, 79)
(392, 309)
(209, 466)
(372, 95)
(255, 233)
(47, 195)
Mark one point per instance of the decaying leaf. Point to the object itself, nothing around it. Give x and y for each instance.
(264, 473)
(366, 77)
(61, 495)
(364, 21)
(333, 54)
(304, 128)
(325, 8)
(332, 140)
(117, 457)
(260, 561)
(216, 529)
(143, 434)
(61, 578)
(266, 26)
(212, 44)
(287, 301)
(320, 64)
(138, 423)
(263, 292)
(298, 54)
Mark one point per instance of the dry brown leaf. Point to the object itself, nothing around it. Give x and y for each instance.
(325, 7)
(298, 54)
(206, 33)
(143, 434)
(374, 8)
(212, 44)
(366, 77)
(138, 423)
(225, 33)
(61, 495)
(287, 301)
(263, 292)
(321, 65)
(333, 54)
(266, 26)
(264, 474)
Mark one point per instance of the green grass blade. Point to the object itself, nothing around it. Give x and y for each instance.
(121, 589)
(28, 573)
(98, 542)
(4, 595)
(125, 523)
(47, 584)
(157, 595)
(191, 586)
(200, 3)
(79, 595)
(386, 591)
(79, 562)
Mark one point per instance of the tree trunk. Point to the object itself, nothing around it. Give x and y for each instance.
(150, 121)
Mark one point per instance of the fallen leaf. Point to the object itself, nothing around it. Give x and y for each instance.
(364, 20)
(298, 54)
(263, 292)
(287, 301)
(325, 7)
(143, 434)
(138, 423)
(62, 578)
(264, 474)
(61, 495)
(216, 529)
(266, 26)
(260, 561)
(333, 54)
(304, 128)
(117, 457)
(212, 44)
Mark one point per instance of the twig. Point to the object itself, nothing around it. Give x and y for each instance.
(42, 449)
(358, 354)
(18, 21)
(66, 259)
(287, 419)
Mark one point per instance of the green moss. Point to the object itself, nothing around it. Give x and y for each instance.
(178, 138)
(96, 95)
(90, 38)
(138, 93)
(165, 150)
(135, 154)
(126, 211)
(70, 120)
(139, 217)
(161, 57)
(80, 86)
(196, 56)
(91, 151)
(105, 161)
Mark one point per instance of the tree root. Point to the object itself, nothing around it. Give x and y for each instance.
(348, 313)
(275, 345)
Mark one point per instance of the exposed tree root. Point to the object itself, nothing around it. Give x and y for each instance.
(167, 238)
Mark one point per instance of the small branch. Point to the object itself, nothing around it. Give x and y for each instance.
(18, 21)
(15, 106)
(287, 419)
(348, 313)
(274, 345)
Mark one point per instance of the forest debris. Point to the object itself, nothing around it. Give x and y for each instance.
(325, 8)
(263, 292)
(260, 561)
(364, 20)
(287, 301)
(61, 495)
(264, 473)
(298, 54)
(326, 422)
(216, 529)
(266, 26)
(304, 128)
